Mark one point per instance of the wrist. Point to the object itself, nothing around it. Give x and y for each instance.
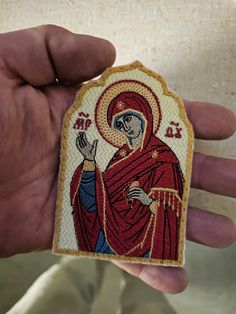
(153, 207)
(150, 200)
(89, 165)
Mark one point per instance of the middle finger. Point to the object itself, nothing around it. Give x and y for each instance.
(214, 174)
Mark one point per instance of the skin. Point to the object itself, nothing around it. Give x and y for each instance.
(85, 148)
(130, 126)
(32, 105)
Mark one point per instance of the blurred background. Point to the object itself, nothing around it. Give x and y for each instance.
(192, 43)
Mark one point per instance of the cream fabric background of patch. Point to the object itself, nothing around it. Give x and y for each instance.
(105, 151)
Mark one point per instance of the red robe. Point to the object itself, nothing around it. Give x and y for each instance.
(132, 229)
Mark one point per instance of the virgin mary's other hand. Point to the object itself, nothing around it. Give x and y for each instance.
(141, 195)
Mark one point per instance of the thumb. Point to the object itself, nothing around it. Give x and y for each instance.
(95, 143)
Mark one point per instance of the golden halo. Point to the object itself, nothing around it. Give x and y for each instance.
(111, 135)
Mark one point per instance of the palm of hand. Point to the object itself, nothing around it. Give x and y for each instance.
(30, 125)
(85, 148)
(29, 165)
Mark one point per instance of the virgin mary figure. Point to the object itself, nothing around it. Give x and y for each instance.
(132, 208)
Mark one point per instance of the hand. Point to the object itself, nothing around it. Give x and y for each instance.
(139, 194)
(40, 71)
(86, 149)
(32, 105)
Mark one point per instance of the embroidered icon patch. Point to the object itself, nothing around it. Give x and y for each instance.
(126, 158)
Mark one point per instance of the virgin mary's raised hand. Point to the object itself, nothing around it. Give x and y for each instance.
(85, 148)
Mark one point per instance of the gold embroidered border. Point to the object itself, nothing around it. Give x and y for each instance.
(62, 171)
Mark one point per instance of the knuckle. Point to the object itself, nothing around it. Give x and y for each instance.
(48, 27)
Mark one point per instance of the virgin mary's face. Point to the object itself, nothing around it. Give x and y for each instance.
(130, 125)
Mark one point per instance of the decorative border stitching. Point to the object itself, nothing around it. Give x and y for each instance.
(62, 170)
